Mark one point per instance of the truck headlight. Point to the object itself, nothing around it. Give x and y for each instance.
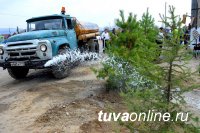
(43, 48)
(1, 51)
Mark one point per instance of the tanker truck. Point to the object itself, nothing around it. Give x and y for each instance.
(46, 37)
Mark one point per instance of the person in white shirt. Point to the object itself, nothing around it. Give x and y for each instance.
(105, 37)
(160, 36)
(160, 39)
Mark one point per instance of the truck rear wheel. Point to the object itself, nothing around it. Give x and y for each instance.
(62, 69)
(18, 72)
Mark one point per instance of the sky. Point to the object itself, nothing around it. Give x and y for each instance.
(102, 12)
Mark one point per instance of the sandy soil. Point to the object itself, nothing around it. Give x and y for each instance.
(24, 103)
(192, 98)
(40, 103)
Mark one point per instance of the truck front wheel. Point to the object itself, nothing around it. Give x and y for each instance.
(18, 72)
(62, 69)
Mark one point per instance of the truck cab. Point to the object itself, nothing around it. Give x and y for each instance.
(46, 36)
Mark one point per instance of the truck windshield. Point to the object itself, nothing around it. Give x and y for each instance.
(50, 24)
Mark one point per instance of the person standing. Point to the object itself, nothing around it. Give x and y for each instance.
(160, 36)
(114, 31)
(105, 37)
(160, 39)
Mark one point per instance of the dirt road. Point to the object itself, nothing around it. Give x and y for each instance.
(23, 102)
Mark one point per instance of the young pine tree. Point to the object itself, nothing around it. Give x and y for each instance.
(175, 56)
(136, 44)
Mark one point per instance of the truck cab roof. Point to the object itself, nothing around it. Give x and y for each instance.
(48, 17)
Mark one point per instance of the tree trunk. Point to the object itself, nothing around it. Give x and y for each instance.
(169, 82)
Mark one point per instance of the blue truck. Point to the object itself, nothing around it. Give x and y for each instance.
(46, 37)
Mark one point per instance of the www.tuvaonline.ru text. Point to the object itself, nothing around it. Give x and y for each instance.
(151, 115)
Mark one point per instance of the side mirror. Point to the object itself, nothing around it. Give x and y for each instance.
(73, 22)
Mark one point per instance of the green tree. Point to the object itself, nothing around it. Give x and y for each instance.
(175, 57)
(136, 43)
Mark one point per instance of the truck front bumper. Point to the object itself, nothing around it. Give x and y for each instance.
(36, 64)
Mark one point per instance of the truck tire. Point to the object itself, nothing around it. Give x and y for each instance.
(61, 70)
(94, 47)
(18, 72)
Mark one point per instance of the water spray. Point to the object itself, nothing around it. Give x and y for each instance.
(72, 56)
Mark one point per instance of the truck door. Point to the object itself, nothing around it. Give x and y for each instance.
(71, 34)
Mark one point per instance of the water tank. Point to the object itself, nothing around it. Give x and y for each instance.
(85, 30)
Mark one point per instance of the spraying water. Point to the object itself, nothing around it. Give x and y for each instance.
(72, 56)
(127, 75)
(123, 70)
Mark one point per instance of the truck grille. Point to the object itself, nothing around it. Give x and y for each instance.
(19, 44)
(22, 51)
